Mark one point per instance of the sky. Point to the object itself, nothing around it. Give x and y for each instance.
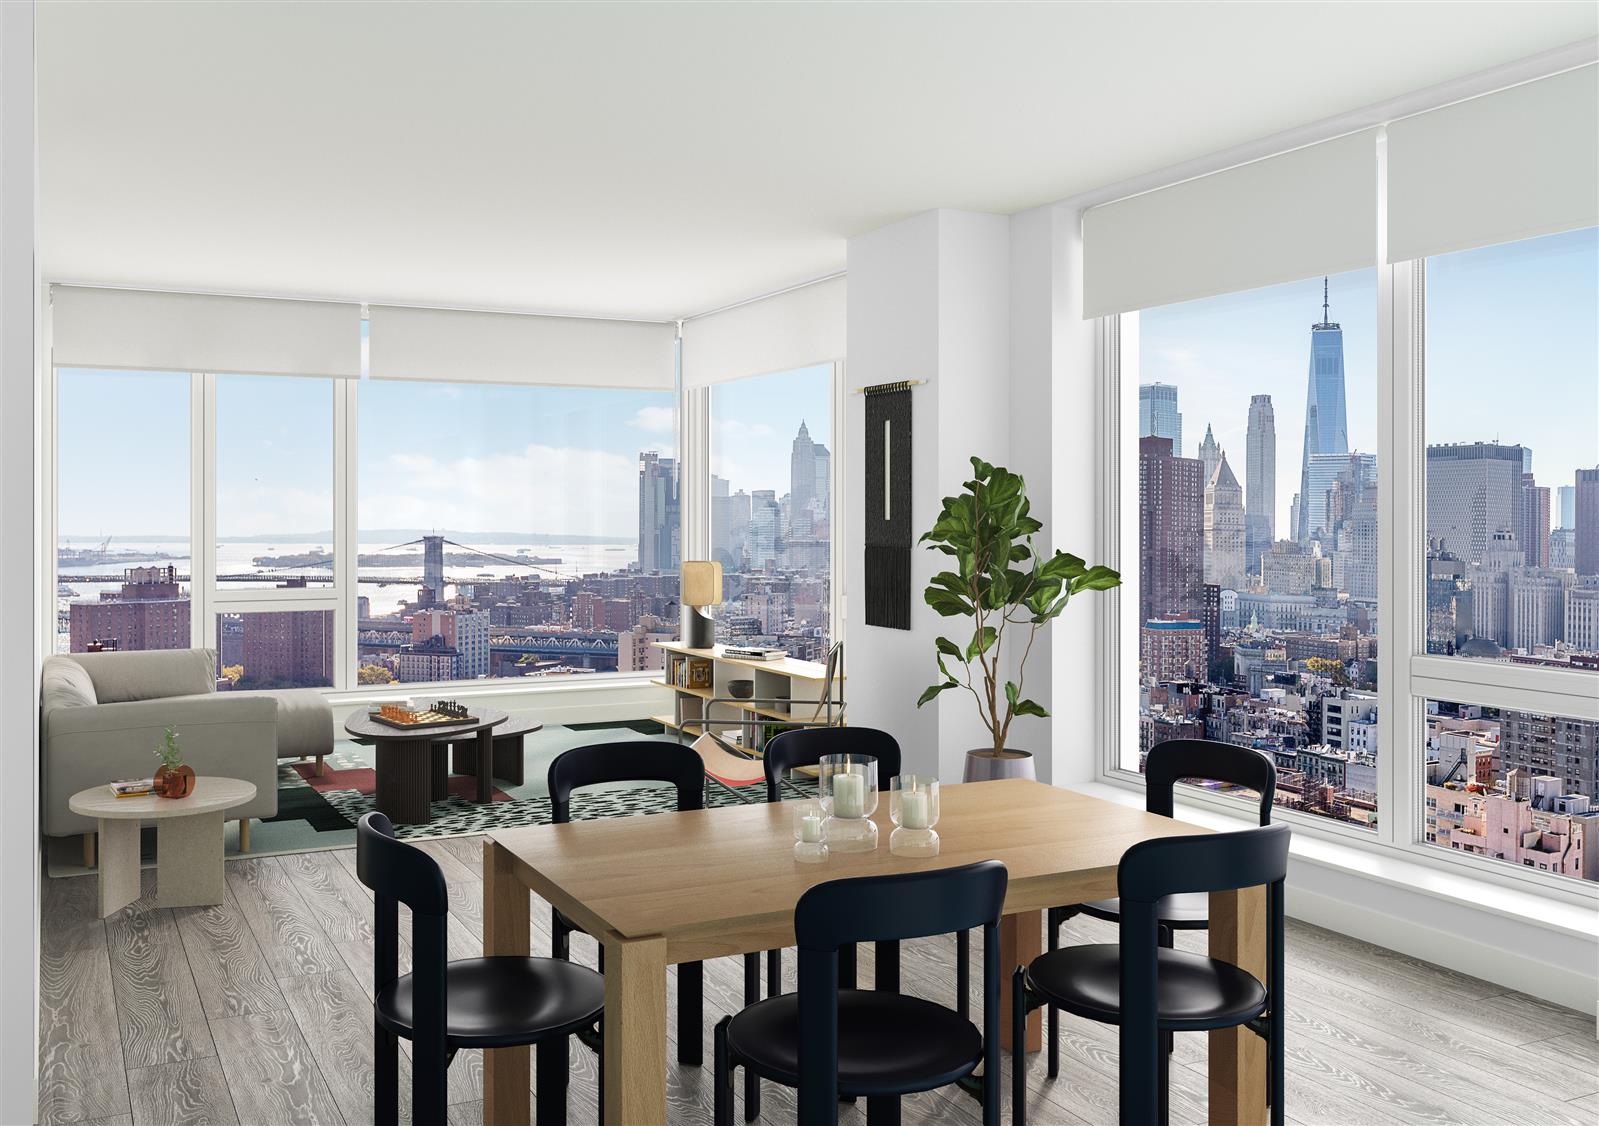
(549, 460)
(1512, 354)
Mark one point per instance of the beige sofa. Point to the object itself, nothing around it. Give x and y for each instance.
(102, 715)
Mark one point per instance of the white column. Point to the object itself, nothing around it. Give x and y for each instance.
(929, 298)
(19, 567)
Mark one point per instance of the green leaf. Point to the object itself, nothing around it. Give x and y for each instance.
(933, 690)
(1030, 707)
(947, 604)
(948, 648)
(981, 640)
(1011, 692)
(1098, 577)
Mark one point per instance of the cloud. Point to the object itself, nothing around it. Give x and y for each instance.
(654, 420)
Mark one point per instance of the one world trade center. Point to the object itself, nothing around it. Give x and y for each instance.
(1326, 419)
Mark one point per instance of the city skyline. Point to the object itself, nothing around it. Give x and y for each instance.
(1525, 308)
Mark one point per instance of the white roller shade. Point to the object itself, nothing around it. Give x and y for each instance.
(450, 345)
(1306, 212)
(129, 328)
(790, 330)
(1510, 165)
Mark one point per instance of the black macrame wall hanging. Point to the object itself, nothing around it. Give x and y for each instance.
(889, 536)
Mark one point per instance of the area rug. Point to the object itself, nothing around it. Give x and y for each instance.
(320, 812)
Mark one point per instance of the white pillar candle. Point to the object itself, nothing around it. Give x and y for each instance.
(849, 795)
(811, 829)
(913, 809)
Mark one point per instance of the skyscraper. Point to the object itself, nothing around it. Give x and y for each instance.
(1534, 530)
(801, 477)
(658, 514)
(1473, 493)
(1318, 511)
(1326, 417)
(1565, 513)
(1158, 415)
(1171, 532)
(1260, 482)
(1224, 528)
(1586, 521)
(1209, 454)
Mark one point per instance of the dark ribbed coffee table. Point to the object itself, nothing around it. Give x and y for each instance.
(405, 761)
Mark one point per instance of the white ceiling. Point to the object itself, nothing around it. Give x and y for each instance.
(651, 160)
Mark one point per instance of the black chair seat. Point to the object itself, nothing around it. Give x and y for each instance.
(888, 1044)
(502, 1002)
(1195, 992)
(1185, 911)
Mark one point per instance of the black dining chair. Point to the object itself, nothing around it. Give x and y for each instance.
(829, 1042)
(1153, 991)
(635, 761)
(784, 752)
(1167, 763)
(443, 1006)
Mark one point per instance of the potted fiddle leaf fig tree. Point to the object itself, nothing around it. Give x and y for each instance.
(1007, 592)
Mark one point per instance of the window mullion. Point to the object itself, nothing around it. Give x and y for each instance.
(202, 507)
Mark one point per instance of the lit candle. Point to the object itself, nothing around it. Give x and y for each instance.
(913, 809)
(849, 795)
(811, 829)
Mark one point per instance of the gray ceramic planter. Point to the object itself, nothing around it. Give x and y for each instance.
(985, 766)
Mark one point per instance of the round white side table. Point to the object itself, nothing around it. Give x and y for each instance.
(188, 841)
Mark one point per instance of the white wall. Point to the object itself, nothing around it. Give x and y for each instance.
(19, 656)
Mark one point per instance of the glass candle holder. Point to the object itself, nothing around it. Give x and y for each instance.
(913, 807)
(847, 789)
(810, 831)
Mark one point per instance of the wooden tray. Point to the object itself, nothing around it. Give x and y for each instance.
(441, 721)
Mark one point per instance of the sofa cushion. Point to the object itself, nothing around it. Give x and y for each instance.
(64, 684)
(150, 675)
(305, 721)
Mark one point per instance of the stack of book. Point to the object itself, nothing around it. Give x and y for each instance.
(133, 787)
(753, 653)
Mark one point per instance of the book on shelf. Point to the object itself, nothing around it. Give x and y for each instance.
(753, 653)
(132, 787)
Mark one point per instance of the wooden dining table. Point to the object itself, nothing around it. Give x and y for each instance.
(681, 887)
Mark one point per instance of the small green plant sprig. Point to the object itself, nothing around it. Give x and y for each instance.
(169, 751)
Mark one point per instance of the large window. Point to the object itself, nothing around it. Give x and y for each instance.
(1512, 419)
(510, 531)
(771, 516)
(1510, 384)
(1254, 598)
(122, 510)
(274, 482)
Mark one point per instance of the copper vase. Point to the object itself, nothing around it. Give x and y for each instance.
(175, 783)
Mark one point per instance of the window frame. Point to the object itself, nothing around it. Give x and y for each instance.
(698, 419)
(207, 601)
(1407, 675)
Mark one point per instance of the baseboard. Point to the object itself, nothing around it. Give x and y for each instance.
(1556, 966)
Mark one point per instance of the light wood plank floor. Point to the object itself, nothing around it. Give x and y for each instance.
(258, 1011)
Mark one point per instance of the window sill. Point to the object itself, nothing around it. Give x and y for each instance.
(489, 689)
(1572, 914)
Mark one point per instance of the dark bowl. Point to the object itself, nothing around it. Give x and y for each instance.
(741, 689)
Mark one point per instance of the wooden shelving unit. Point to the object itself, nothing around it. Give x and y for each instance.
(802, 683)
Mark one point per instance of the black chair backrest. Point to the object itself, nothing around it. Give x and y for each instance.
(909, 905)
(886, 908)
(638, 760)
(396, 870)
(1203, 862)
(401, 873)
(805, 746)
(1176, 759)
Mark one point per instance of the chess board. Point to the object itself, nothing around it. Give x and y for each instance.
(422, 720)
